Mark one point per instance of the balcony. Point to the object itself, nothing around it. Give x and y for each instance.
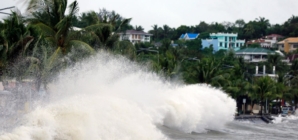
(257, 60)
(147, 38)
(125, 38)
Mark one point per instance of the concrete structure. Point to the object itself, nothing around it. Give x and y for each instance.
(264, 43)
(288, 45)
(274, 37)
(189, 36)
(223, 41)
(268, 41)
(254, 54)
(135, 36)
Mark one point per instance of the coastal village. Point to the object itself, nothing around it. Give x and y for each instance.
(254, 62)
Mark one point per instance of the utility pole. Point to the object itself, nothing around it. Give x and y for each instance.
(6, 9)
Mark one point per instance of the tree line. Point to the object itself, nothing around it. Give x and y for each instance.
(254, 29)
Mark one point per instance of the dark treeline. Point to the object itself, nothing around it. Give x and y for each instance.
(246, 30)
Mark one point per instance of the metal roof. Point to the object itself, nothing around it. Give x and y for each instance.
(135, 32)
(192, 35)
(254, 50)
(182, 36)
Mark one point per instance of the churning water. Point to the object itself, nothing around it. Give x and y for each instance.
(110, 98)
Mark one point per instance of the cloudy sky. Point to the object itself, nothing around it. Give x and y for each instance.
(186, 12)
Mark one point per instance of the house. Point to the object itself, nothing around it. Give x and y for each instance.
(288, 45)
(268, 41)
(135, 36)
(264, 43)
(274, 37)
(223, 41)
(254, 54)
(189, 36)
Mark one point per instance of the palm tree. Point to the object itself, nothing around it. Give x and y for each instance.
(262, 88)
(41, 67)
(249, 30)
(155, 32)
(166, 31)
(126, 48)
(16, 40)
(57, 44)
(292, 81)
(56, 27)
(104, 27)
(207, 70)
(264, 24)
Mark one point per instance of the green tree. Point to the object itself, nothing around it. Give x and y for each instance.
(202, 71)
(263, 88)
(56, 27)
(16, 40)
(127, 49)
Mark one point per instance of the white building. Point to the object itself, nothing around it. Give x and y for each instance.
(254, 54)
(135, 36)
(268, 41)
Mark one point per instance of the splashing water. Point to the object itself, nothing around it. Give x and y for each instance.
(286, 118)
(108, 97)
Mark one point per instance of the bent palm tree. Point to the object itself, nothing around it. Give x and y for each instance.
(52, 23)
(16, 39)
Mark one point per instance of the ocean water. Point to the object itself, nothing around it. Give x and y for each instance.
(110, 98)
(285, 128)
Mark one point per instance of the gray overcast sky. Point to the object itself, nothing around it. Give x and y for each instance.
(187, 12)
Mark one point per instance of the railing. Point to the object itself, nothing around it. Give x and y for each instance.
(146, 38)
(257, 60)
(125, 38)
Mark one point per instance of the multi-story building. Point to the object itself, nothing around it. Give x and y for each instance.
(223, 41)
(288, 45)
(258, 54)
(268, 41)
(135, 36)
(264, 43)
(254, 54)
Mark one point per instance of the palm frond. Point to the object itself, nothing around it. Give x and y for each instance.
(44, 29)
(82, 45)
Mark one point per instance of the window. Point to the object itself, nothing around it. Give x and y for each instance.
(220, 44)
(295, 45)
(226, 38)
(226, 45)
(237, 44)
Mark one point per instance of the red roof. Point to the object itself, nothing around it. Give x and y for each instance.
(255, 41)
(274, 35)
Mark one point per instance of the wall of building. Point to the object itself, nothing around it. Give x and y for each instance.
(286, 46)
(227, 41)
(293, 47)
(209, 42)
(133, 38)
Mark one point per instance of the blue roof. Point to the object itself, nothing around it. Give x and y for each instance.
(182, 36)
(192, 35)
